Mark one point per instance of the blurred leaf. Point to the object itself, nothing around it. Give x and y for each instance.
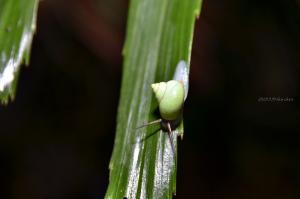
(17, 26)
(159, 34)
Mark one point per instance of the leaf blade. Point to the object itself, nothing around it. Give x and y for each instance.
(17, 26)
(159, 34)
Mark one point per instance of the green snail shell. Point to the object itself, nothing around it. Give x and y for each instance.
(170, 97)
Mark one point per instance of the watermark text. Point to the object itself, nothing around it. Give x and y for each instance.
(275, 99)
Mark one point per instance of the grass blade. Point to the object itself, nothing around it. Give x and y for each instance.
(159, 34)
(17, 26)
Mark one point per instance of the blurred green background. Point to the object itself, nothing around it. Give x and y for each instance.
(56, 138)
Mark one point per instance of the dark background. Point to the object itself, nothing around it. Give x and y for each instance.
(57, 136)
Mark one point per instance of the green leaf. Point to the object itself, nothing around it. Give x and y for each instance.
(17, 26)
(159, 35)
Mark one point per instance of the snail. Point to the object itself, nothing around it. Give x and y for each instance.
(171, 96)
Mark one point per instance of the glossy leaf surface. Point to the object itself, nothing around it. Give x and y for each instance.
(17, 26)
(159, 35)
